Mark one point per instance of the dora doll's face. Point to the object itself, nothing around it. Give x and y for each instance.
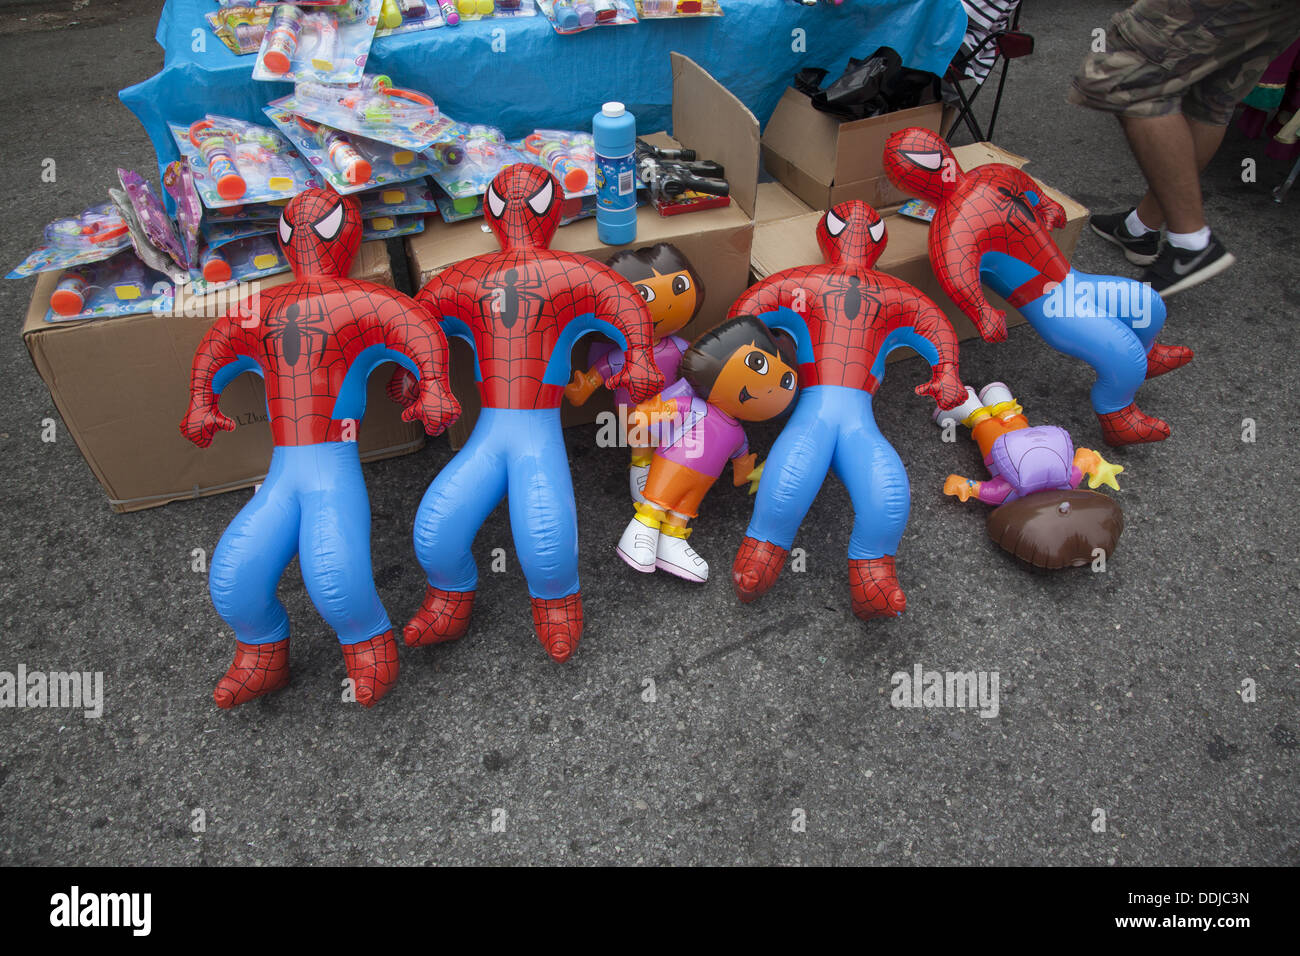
(754, 385)
(671, 298)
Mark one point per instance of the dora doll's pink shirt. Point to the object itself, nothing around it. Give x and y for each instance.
(701, 436)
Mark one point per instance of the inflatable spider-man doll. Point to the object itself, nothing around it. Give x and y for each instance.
(522, 309)
(992, 224)
(314, 341)
(845, 319)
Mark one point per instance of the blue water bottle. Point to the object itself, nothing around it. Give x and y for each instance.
(615, 133)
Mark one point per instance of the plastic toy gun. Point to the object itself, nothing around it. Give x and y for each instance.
(670, 173)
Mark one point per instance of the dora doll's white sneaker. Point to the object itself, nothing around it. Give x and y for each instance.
(637, 546)
(637, 475)
(677, 557)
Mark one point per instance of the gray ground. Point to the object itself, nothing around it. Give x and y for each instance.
(1119, 690)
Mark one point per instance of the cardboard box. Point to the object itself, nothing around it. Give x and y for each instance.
(122, 387)
(717, 242)
(792, 241)
(824, 161)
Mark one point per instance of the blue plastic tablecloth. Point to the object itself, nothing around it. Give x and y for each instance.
(542, 79)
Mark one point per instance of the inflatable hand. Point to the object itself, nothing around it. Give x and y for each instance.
(960, 487)
(639, 375)
(202, 422)
(945, 387)
(1099, 470)
(653, 411)
(583, 386)
(403, 388)
(1050, 212)
(992, 324)
(436, 407)
(754, 477)
(742, 468)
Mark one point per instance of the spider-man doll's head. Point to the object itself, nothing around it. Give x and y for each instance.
(920, 162)
(320, 232)
(852, 233)
(522, 206)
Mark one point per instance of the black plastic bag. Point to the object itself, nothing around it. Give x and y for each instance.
(879, 84)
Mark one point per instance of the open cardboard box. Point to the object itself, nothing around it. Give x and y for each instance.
(824, 160)
(792, 241)
(122, 387)
(706, 117)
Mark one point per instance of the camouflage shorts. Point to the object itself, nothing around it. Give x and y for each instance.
(1198, 57)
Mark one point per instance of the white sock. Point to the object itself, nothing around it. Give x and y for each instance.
(1135, 226)
(1192, 241)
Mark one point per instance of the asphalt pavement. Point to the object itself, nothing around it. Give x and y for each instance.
(688, 728)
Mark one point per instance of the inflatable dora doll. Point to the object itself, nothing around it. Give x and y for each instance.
(731, 375)
(672, 290)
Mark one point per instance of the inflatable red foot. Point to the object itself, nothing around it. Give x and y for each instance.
(443, 616)
(1130, 426)
(558, 622)
(1166, 358)
(258, 669)
(757, 565)
(372, 665)
(873, 587)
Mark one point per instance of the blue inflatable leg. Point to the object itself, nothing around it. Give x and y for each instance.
(877, 483)
(543, 516)
(251, 557)
(456, 505)
(334, 543)
(797, 465)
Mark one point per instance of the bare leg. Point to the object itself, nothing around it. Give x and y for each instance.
(1172, 150)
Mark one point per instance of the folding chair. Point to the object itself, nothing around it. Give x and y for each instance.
(974, 64)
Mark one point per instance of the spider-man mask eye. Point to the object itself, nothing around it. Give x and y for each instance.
(926, 160)
(328, 227)
(877, 230)
(496, 205)
(540, 201)
(834, 224)
(286, 230)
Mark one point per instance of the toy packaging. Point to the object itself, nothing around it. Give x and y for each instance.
(346, 162)
(390, 227)
(240, 28)
(574, 16)
(235, 162)
(323, 44)
(407, 16)
(668, 9)
(570, 155)
(466, 158)
(404, 199)
(373, 108)
(93, 236)
(469, 10)
(121, 285)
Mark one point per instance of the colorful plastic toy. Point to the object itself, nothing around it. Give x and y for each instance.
(845, 319)
(1038, 468)
(522, 310)
(673, 291)
(992, 224)
(732, 374)
(315, 342)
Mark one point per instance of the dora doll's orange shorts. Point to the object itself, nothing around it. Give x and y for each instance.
(675, 487)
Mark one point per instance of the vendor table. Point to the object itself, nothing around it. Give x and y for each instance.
(518, 74)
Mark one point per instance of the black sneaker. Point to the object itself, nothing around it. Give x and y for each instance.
(1139, 250)
(1177, 269)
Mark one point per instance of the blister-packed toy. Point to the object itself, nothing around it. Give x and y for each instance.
(347, 162)
(92, 236)
(120, 285)
(235, 162)
(570, 155)
(668, 9)
(574, 16)
(401, 199)
(241, 259)
(240, 27)
(373, 108)
(466, 158)
(323, 44)
(390, 227)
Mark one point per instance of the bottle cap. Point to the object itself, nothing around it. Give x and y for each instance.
(613, 108)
